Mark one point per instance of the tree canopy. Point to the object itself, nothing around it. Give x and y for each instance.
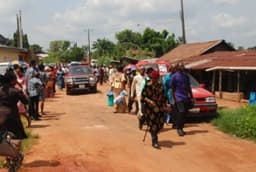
(35, 48)
(64, 51)
(149, 44)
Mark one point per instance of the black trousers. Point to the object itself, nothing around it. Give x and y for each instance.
(179, 116)
(130, 103)
(33, 107)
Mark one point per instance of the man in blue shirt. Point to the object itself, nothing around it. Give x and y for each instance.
(183, 97)
(34, 85)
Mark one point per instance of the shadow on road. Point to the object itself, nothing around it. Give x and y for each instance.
(79, 93)
(170, 144)
(51, 116)
(39, 126)
(42, 163)
(205, 119)
(193, 132)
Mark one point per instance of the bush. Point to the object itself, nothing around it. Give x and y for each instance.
(240, 122)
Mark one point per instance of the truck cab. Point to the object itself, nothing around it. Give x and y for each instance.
(80, 78)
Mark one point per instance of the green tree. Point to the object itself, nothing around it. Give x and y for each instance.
(15, 41)
(158, 42)
(25, 41)
(103, 47)
(129, 39)
(35, 48)
(62, 50)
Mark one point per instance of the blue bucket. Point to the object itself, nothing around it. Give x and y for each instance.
(252, 99)
(110, 100)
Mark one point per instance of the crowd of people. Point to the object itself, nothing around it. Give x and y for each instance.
(158, 99)
(22, 93)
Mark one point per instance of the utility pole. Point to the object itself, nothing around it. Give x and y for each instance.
(183, 23)
(19, 30)
(89, 46)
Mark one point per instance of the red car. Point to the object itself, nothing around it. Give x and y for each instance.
(205, 102)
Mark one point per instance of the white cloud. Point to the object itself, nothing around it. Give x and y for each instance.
(227, 1)
(9, 6)
(47, 20)
(108, 17)
(227, 20)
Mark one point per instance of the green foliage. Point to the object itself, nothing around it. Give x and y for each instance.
(15, 41)
(241, 122)
(35, 48)
(129, 39)
(103, 47)
(148, 44)
(158, 42)
(65, 52)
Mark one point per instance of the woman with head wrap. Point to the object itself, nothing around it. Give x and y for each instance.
(154, 98)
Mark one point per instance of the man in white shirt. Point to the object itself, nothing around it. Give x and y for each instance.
(136, 89)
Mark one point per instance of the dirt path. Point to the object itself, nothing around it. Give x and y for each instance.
(81, 134)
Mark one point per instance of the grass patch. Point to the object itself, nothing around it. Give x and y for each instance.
(26, 143)
(240, 122)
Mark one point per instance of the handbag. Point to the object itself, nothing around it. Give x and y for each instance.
(9, 147)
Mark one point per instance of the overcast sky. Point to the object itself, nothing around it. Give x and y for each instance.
(46, 20)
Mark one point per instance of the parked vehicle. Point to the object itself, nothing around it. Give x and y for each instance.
(205, 102)
(80, 78)
(74, 63)
(4, 67)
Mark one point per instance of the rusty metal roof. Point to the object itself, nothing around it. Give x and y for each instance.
(220, 59)
(189, 50)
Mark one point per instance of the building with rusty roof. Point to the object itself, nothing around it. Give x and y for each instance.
(228, 73)
(231, 74)
(185, 51)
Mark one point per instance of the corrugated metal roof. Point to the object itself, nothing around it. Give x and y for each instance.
(226, 59)
(189, 50)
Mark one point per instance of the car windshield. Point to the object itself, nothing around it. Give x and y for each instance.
(80, 70)
(193, 81)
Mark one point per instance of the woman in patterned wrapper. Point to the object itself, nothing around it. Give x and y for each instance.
(154, 98)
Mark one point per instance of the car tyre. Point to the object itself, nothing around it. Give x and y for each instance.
(94, 89)
(68, 92)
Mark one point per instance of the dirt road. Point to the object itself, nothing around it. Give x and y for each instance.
(81, 134)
